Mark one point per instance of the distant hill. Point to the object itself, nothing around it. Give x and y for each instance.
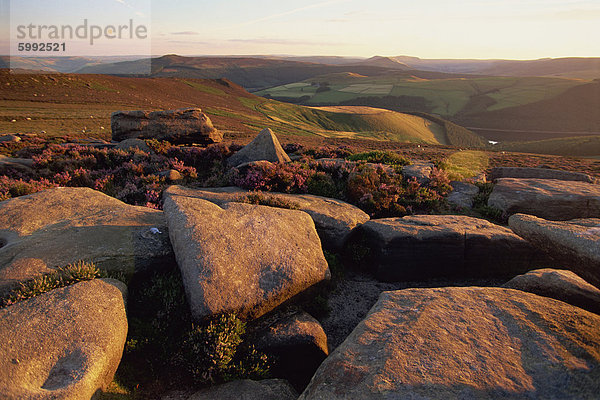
(583, 68)
(58, 64)
(80, 105)
(251, 73)
(385, 62)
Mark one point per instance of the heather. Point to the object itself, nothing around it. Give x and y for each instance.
(132, 176)
(378, 189)
(373, 181)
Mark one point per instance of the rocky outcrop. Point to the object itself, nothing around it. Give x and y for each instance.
(560, 285)
(268, 389)
(463, 194)
(20, 164)
(419, 170)
(546, 198)
(61, 226)
(574, 244)
(129, 144)
(265, 146)
(539, 173)
(423, 247)
(467, 343)
(9, 138)
(64, 344)
(334, 219)
(242, 258)
(182, 126)
(298, 345)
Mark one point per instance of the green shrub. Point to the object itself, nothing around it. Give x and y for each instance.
(480, 203)
(335, 265)
(485, 190)
(164, 345)
(321, 184)
(65, 276)
(380, 157)
(318, 306)
(212, 352)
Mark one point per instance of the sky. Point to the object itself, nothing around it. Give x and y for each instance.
(483, 29)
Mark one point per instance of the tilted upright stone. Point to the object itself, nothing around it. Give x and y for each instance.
(185, 125)
(264, 147)
(242, 258)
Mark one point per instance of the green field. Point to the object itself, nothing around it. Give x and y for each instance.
(446, 97)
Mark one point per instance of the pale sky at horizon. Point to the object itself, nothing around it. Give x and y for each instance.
(509, 29)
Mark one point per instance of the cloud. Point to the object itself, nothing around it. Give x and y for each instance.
(294, 11)
(194, 42)
(578, 14)
(286, 42)
(185, 33)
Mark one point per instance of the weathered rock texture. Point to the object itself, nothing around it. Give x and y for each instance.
(465, 343)
(242, 258)
(186, 125)
(560, 285)
(298, 345)
(265, 146)
(9, 138)
(463, 194)
(20, 164)
(574, 244)
(269, 389)
(421, 171)
(60, 226)
(547, 198)
(64, 344)
(334, 219)
(139, 144)
(431, 246)
(539, 173)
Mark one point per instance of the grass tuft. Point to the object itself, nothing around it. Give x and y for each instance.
(379, 157)
(262, 199)
(65, 276)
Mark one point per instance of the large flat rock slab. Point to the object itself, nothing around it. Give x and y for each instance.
(242, 258)
(430, 246)
(547, 198)
(64, 344)
(334, 219)
(574, 244)
(60, 226)
(465, 343)
(539, 173)
(181, 126)
(558, 284)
